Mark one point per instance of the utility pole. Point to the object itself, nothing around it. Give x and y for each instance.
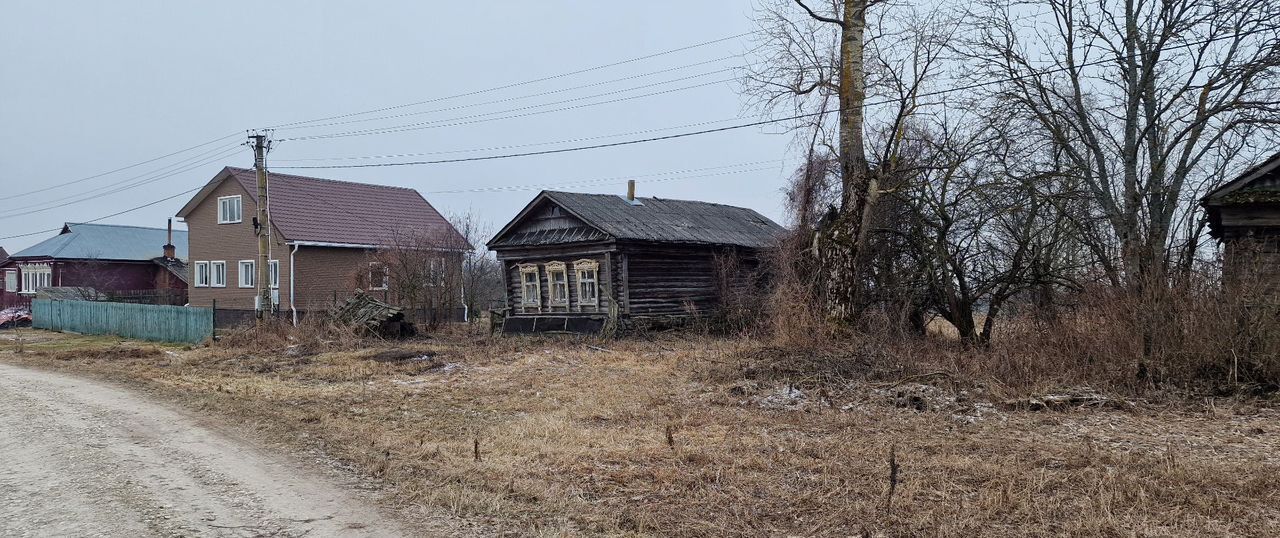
(262, 226)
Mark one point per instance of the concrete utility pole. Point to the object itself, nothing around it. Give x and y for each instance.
(262, 226)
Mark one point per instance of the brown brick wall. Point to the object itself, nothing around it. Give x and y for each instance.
(210, 241)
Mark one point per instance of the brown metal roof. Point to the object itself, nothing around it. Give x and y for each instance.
(343, 212)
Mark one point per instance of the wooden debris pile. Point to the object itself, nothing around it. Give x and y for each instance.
(372, 316)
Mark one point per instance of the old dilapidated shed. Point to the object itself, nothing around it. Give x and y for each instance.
(574, 262)
(1245, 215)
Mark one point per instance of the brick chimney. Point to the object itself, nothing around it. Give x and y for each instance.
(631, 190)
(170, 252)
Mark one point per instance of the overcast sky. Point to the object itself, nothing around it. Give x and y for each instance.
(88, 87)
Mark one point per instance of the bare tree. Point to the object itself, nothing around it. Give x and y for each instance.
(481, 272)
(421, 271)
(820, 61)
(1149, 102)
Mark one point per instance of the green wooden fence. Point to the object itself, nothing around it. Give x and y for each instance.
(161, 323)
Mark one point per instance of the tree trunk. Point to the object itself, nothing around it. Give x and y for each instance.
(841, 237)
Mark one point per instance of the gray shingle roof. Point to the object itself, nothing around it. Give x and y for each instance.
(106, 242)
(654, 219)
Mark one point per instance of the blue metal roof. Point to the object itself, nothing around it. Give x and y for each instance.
(106, 242)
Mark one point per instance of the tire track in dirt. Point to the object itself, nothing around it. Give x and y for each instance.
(81, 458)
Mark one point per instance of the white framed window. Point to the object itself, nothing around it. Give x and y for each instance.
(10, 281)
(273, 268)
(378, 276)
(202, 274)
(36, 276)
(588, 274)
(247, 273)
(218, 274)
(558, 283)
(229, 209)
(530, 289)
(435, 277)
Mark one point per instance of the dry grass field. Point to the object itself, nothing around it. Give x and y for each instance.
(697, 436)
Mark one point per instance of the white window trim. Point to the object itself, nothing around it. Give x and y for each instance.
(552, 269)
(36, 276)
(208, 277)
(253, 264)
(273, 272)
(594, 267)
(212, 282)
(239, 204)
(10, 281)
(524, 295)
(386, 277)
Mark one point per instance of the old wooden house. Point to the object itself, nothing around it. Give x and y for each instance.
(1245, 215)
(574, 262)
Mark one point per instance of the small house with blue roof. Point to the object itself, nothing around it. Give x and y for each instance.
(129, 263)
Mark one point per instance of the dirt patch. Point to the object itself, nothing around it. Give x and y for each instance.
(669, 437)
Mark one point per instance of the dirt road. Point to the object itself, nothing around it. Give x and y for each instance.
(81, 458)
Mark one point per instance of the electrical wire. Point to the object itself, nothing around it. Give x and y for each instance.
(436, 124)
(116, 214)
(221, 151)
(522, 83)
(539, 94)
(754, 123)
(193, 166)
(514, 146)
(134, 165)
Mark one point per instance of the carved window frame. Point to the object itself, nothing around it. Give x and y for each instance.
(591, 267)
(525, 299)
(557, 288)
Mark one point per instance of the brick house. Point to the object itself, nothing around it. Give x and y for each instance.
(121, 263)
(323, 239)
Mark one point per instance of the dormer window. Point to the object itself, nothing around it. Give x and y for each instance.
(229, 209)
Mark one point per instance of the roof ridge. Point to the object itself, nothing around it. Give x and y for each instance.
(324, 179)
(652, 198)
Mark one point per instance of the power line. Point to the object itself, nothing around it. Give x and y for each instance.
(754, 123)
(539, 94)
(221, 151)
(522, 83)
(436, 124)
(513, 146)
(10, 215)
(116, 214)
(134, 165)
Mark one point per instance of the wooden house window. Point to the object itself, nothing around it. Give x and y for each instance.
(530, 290)
(229, 209)
(558, 282)
(10, 281)
(202, 274)
(588, 276)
